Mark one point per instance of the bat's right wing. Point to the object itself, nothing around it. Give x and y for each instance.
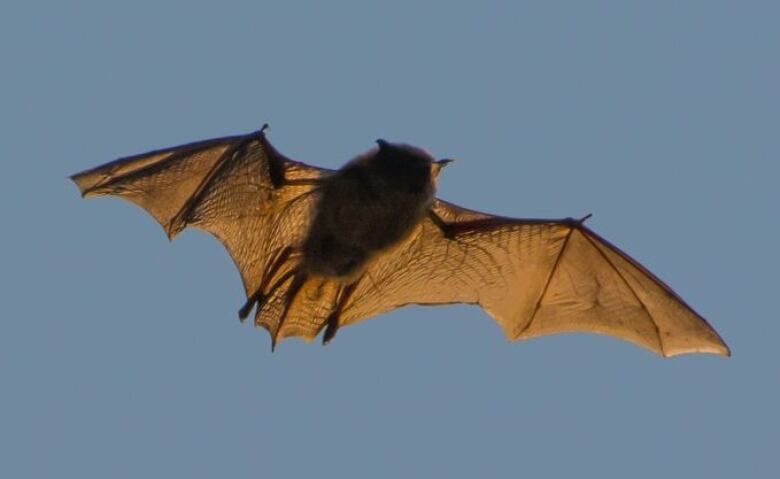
(534, 277)
(256, 201)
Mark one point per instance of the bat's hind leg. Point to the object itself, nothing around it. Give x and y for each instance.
(297, 281)
(332, 323)
(259, 296)
(294, 276)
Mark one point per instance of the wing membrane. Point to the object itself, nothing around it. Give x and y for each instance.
(534, 277)
(237, 188)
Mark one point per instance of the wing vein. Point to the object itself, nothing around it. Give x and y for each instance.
(547, 284)
(169, 155)
(625, 281)
(179, 221)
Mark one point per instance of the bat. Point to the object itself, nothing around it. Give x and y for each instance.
(320, 249)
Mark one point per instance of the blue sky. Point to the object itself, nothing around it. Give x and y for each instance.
(121, 355)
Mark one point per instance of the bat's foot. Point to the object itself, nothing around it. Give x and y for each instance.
(243, 313)
(332, 323)
(331, 328)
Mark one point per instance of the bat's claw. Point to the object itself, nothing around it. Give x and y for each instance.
(577, 222)
(243, 313)
(331, 328)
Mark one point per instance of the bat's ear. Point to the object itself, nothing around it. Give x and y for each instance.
(383, 145)
(437, 166)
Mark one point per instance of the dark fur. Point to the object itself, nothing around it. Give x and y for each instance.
(368, 205)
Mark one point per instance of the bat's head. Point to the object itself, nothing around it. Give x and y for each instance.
(408, 163)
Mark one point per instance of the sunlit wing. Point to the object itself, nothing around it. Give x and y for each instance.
(534, 277)
(239, 188)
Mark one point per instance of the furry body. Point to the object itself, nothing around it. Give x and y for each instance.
(368, 205)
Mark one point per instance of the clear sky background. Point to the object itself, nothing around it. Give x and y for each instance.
(121, 354)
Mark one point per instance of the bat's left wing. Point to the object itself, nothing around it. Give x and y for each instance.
(256, 201)
(534, 277)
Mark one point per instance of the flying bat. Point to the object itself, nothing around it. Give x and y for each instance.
(320, 249)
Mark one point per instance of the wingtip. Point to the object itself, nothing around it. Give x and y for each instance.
(714, 343)
(75, 178)
(717, 348)
(723, 349)
(87, 181)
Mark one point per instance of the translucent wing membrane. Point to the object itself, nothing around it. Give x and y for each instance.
(534, 277)
(255, 201)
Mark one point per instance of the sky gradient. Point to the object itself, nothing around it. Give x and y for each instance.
(121, 354)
